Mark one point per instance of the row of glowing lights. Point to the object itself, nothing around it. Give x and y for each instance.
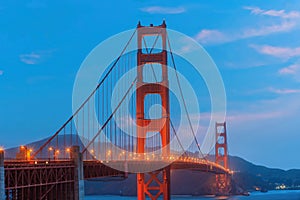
(139, 156)
(57, 150)
(136, 156)
(146, 156)
(30, 150)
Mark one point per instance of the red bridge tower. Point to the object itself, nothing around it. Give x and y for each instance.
(153, 184)
(221, 151)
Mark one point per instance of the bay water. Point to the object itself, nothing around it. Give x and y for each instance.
(271, 195)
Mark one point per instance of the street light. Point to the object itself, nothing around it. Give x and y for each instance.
(49, 151)
(56, 154)
(68, 150)
(108, 154)
(29, 154)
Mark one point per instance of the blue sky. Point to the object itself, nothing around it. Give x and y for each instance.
(254, 43)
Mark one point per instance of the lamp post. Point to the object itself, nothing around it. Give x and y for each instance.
(68, 150)
(56, 154)
(50, 149)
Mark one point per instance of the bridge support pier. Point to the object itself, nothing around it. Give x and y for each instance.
(152, 187)
(2, 177)
(76, 156)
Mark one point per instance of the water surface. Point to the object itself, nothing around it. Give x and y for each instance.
(271, 195)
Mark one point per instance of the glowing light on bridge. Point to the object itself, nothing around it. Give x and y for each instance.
(108, 152)
(28, 153)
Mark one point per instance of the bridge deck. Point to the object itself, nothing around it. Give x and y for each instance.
(94, 168)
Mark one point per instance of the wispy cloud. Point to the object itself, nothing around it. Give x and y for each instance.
(211, 36)
(239, 116)
(30, 59)
(273, 13)
(163, 10)
(292, 70)
(277, 51)
(279, 91)
(35, 57)
(267, 110)
(267, 30)
(207, 36)
(287, 22)
(1, 72)
(284, 91)
(245, 117)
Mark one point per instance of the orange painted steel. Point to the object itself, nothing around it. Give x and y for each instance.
(221, 152)
(153, 184)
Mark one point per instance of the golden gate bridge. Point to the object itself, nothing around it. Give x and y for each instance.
(92, 143)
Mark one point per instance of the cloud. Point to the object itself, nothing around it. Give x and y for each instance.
(266, 30)
(243, 116)
(292, 70)
(1, 72)
(273, 90)
(284, 91)
(266, 110)
(163, 10)
(288, 21)
(273, 13)
(30, 59)
(284, 26)
(246, 117)
(210, 36)
(276, 51)
(207, 36)
(35, 57)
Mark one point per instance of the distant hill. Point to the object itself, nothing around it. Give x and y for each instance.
(247, 176)
(251, 176)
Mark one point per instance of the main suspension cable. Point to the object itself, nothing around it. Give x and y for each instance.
(153, 71)
(88, 98)
(109, 118)
(182, 97)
